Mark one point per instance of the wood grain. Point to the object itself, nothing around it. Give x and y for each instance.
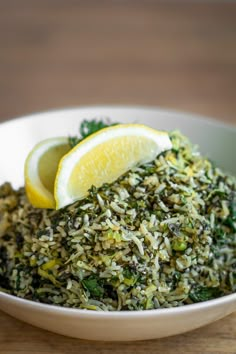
(69, 53)
(19, 338)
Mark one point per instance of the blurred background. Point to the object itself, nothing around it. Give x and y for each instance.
(180, 55)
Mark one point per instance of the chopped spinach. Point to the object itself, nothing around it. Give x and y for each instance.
(93, 285)
(3, 254)
(19, 240)
(130, 276)
(128, 273)
(201, 293)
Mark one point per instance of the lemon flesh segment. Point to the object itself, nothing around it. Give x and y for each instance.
(105, 156)
(40, 170)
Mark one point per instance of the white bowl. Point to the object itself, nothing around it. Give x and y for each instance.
(18, 136)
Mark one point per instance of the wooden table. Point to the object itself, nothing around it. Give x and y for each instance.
(69, 53)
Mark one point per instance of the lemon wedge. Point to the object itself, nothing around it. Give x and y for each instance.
(103, 157)
(40, 170)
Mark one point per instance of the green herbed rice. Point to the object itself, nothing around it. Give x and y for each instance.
(162, 235)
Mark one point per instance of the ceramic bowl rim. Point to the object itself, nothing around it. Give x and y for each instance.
(122, 314)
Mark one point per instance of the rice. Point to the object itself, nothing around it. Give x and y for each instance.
(162, 235)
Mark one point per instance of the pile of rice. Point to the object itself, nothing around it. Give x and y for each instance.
(162, 235)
